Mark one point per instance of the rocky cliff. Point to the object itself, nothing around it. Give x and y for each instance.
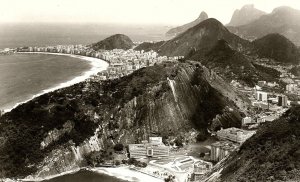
(282, 20)
(178, 30)
(53, 133)
(245, 15)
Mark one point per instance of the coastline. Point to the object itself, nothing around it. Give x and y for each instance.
(123, 173)
(97, 65)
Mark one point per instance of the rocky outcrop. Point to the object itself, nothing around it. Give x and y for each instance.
(166, 100)
(282, 20)
(245, 15)
(178, 30)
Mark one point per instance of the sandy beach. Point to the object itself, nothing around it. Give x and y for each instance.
(98, 65)
(125, 173)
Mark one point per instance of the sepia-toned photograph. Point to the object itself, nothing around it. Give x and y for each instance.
(149, 91)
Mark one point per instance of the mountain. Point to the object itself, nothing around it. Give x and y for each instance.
(277, 47)
(245, 15)
(117, 41)
(282, 20)
(233, 65)
(148, 46)
(178, 30)
(55, 132)
(201, 37)
(272, 154)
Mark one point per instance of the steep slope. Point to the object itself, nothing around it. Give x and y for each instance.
(201, 37)
(117, 41)
(277, 47)
(148, 46)
(283, 20)
(245, 15)
(232, 65)
(272, 154)
(178, 30)
(52, 133)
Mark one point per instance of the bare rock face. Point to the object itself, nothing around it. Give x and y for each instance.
(165, 100)
(245, 15)
(178, 30)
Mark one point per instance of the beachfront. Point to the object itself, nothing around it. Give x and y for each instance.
(97, 65)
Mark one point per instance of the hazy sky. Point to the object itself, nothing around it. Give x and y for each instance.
(127, 11)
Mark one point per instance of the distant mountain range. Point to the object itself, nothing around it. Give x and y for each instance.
(282, 20)
(178, 30)
(245, 15)
(117, 41)
(201, 38)
(217, 48)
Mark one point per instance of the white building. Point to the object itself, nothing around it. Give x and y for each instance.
(221, 149)
(154, 148)
(234, 134)
(261, 96)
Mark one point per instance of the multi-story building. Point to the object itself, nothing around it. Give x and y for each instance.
(234, 134)
(282, 100)
(221, 149)
(200, 168)
(246, 120)
(261, 96)
(154, 148)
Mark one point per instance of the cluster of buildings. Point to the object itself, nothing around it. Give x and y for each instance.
(124, 62)
(230, 140)
(293, 88)
(153, 148)
(121, 62)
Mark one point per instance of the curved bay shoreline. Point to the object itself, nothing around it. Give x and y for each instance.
(97, 65)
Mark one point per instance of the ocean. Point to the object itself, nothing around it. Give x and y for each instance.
(25, 75)
(42, 34)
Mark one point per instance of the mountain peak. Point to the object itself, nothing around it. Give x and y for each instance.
(277, 47)
(178, 30)
(245, 15)
(248, 6)
(203, 16)
(117, 41)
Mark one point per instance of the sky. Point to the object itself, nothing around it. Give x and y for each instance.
(167, 12)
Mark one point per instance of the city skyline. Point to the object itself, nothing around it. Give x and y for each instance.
(167, 12)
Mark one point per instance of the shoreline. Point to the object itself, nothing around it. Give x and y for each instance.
(125, 173)
(122, 172)
(97, 65)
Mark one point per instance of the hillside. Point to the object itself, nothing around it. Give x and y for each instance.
(272, 154)
(148, 46)
(201, 37)
(245, 15)
(277, 47)
(282, 20)
(233, 65)
(54, 132)
(117, 41)
(178, 30)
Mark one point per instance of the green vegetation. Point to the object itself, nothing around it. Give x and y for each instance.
(272, 154)
(117, 41)
(121, 107)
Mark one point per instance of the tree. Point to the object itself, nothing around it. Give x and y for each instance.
(178, 142)
(202, 154)
(119, 147)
